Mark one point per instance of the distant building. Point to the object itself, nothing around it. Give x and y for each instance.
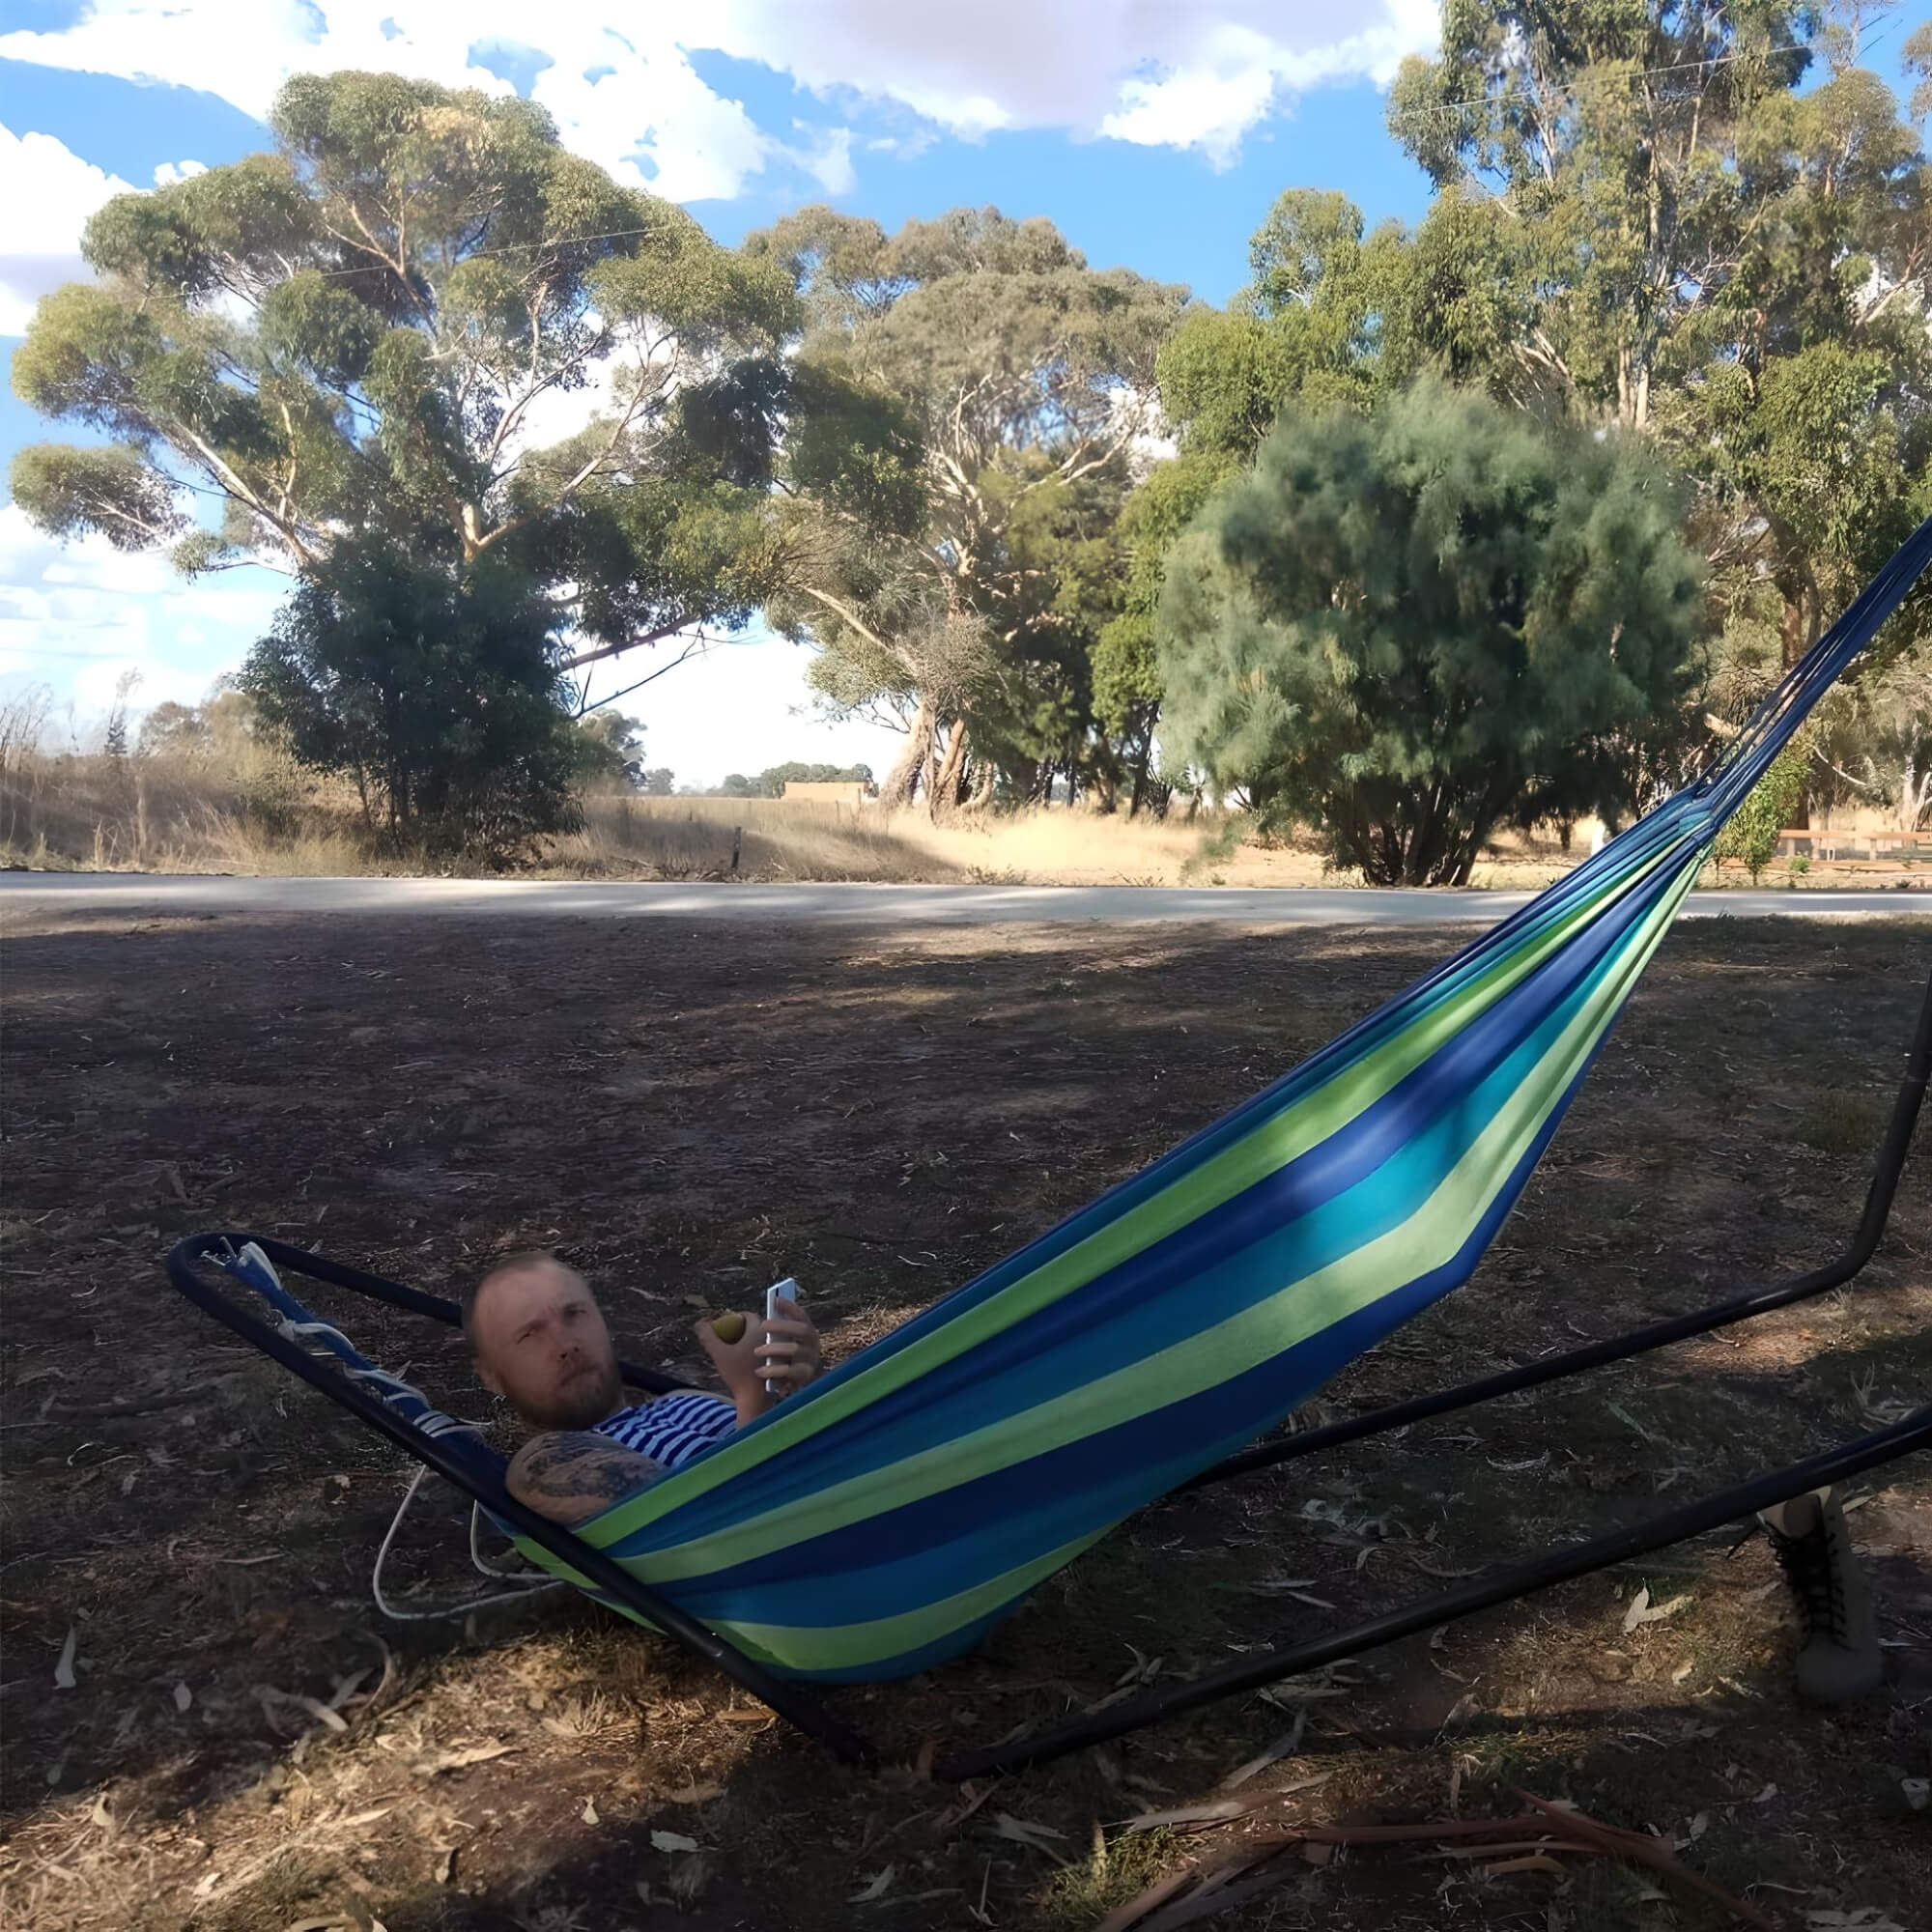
(841, 791)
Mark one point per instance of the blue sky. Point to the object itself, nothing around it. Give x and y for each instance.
(1155, 135)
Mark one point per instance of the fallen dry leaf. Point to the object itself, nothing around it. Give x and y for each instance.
(183, 1696)
(1285, 1746)
(1218, 1814)
(590, 1811)
(455, 1760)
(1022, 1832)
(1641, 1610)
(63, 1677)
(694, 1793)
(1537, 1862)
(674, 1841)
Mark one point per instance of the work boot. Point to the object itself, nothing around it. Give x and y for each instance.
(1838, 1657)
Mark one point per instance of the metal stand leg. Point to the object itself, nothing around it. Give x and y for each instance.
(1500, 1586)
(1578, 1559)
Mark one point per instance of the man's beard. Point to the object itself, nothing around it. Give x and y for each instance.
(581, 1403)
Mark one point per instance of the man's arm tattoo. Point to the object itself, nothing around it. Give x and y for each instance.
(571, 1474)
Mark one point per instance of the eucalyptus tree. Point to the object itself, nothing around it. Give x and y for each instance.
(994, 390)
(418, 318)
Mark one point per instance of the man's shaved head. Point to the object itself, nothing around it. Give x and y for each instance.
(540, 1340)
(528, 1260)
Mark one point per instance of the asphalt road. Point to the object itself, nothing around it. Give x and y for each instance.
(46, 893)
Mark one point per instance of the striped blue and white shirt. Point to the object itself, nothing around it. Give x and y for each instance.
(672, 1429)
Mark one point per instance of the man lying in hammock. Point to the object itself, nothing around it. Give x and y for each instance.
(540, 1342)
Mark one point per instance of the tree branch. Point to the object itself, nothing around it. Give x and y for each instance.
(696, 648)
(604, 651)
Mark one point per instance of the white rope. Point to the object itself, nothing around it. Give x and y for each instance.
(533, 1588)
(434, 1422)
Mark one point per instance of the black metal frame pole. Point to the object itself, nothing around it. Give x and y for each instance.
(439, 1308)
(1499, 1586)
(798, 1707)
(808, 1714)
(1879, 1197)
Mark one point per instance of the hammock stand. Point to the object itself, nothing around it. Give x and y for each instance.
(800, 1706)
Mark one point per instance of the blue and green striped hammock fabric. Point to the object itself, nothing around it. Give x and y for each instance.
(883, 1520)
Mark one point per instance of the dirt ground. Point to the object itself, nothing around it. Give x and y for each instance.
(206, 1725)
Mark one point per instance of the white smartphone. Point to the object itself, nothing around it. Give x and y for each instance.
(786, 1290)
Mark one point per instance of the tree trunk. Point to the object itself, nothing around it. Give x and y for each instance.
(945, 792)
(900, 784)
(1915, 794)
(1790, 630)
(1798, 623)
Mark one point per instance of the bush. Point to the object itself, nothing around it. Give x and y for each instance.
(1409, 627)
(1752, 832)
(439, 695)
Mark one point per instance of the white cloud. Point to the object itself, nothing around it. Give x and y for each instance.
(77, 616)
(624, 92)
(830, 162)
(46, 193)
(1185, 76)
(650, 119)
(1236, 76)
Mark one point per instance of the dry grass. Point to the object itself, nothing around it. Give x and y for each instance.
(780, 839)
(95, 813)
(100, 814)
(81, 812)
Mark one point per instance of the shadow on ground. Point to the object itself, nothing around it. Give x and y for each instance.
(689, 1115)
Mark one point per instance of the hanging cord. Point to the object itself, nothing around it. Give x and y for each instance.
(535, 1587)
(433, 1422)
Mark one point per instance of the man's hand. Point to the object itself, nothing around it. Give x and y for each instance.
(784, 1351)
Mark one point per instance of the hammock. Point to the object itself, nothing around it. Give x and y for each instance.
(887, 1517)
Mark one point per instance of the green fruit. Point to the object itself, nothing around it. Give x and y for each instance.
(729, 1327)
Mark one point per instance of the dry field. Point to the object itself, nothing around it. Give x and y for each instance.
(167, 816)
(207, 1725)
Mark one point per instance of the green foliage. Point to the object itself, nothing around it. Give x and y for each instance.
(439, 694)
(225, 728)
(349, 337)
(1694, 248)
(71, 493)
(1876, 735)
(1123, 655)
(174, 730)
(1752, 832)
(773, 779)
(1640, 220)
(1408, 627)
(974, 391)
(611, 752)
